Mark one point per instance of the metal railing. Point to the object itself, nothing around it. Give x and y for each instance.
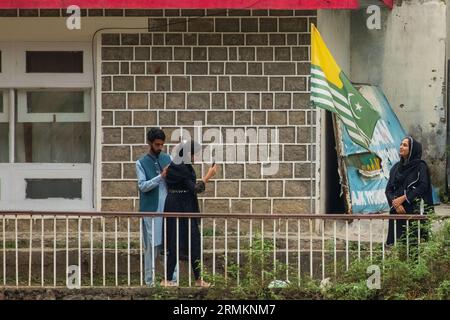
(85, 249)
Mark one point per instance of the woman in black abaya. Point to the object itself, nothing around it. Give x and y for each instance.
(182, 190)
(409, 183)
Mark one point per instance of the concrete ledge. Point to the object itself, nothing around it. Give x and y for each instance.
(101, 293)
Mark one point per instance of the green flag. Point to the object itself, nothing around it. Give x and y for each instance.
(333, 91)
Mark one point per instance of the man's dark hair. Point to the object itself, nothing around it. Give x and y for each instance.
(155, 133)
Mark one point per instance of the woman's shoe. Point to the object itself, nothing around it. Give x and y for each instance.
(201, 283)
(167, 283)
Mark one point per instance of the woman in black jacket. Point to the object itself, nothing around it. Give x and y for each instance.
(409, 183)
(182, 190)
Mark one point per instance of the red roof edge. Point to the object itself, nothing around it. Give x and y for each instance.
(389, 3)
(182, 4)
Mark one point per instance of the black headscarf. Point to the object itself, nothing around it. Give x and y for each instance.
(410, 165)
(181, 167)
(189, 147)
(177, 173)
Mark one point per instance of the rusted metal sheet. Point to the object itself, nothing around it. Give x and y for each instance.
(364, 173)
(342, 169)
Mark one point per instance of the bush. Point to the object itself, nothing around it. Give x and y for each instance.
(444, 290)
(419, 273)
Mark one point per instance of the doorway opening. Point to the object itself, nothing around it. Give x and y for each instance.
(334, 201)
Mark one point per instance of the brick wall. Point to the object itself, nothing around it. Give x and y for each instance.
(245, 69)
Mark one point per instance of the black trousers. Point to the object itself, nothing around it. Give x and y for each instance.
(399, 230)
(183, 243)
(396, 231)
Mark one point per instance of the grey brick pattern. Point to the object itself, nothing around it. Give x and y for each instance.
(244, 70)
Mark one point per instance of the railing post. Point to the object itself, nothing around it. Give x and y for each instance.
(189, 253)
(42, 250)
(4, 250)
(17, 251)
(238, 252)
(359, 239)
(128, 252)
(370, 239)
(116, 257)
(407, 239)
(251, 245)
(178, 253)
(104, 250)
(201, 249)
(422, 204)
(153, 252)
(31, 252)
(79, 250)
(395, 231)
(274, 250)
(335, 248)
(67, 249)
(54, 251)
(226, 251)
(262, 250)
(141, 278)
(323, 249)
(165, 251)
(383, 241)
(287, 250)
(311, 257)
(91, 238)
(299, 253)
(346, 246)
(214, 249)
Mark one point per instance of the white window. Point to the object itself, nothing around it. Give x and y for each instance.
(46, 127)
(4, 127)
(53, 105)
(3, 106)
(4, 136)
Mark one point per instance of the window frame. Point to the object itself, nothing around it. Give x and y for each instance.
(23, 171)
(24, 116)
(4, 116)
(15, 75)
(7, 70)
(13, 174)
(59, 51)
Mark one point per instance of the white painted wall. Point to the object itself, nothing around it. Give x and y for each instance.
(334, 26)
(54, 29)
(407, 59)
